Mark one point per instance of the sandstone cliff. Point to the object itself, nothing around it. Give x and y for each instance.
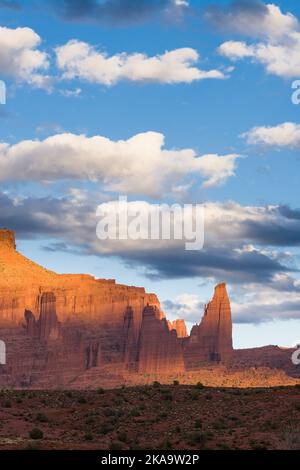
(57, 326)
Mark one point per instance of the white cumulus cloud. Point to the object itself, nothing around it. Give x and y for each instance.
(277, 34)
(80, 60)
(140, 164)
(20, 57)
(285, 135)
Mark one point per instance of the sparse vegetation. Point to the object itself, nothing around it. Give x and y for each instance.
(152, 417)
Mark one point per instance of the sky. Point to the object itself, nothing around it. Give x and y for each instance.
(162, 101)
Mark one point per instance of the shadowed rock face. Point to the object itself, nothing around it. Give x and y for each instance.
(159, 349)
(47, 327)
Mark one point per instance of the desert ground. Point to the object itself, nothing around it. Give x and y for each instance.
(152, 417)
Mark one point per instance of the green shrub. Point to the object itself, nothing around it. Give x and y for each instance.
(36, 433)
(115, 445)
(198, 424)
(41, 418)
(199, 385)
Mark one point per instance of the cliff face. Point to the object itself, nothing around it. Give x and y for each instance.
(159, 349)
(69, 322)
(56, 327)
(212, 339)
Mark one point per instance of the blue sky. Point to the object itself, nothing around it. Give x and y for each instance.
(242, 109)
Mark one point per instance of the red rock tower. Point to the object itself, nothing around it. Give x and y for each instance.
(7, 239)
(180, 327)
(212, 339)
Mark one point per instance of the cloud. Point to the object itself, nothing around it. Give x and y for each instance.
(10, 4)
(139, 165)
(278, 36)
(232, 252)
(262, 286)
(80, 60)
(20, 57)
(252, 18)
(186, 306)
(71, 93)
(121, 12)
(278, 300)
(285, 135)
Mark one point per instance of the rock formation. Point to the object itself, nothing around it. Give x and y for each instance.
(74, 322)
(212, 339)
(67, 330)
(159, 349)
(180, 327)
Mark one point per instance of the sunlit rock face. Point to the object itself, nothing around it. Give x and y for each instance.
(180, 327)
(211, 340)
(74, 321)
(64, 328)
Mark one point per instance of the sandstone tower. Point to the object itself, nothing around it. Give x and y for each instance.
(212, 339)
(7, 239)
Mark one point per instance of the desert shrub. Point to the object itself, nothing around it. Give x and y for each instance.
(81, 400)
(88, 436)
(168, 396)
(32, 446)
(258, 445)
(195, 438)
(105, 428)
(108, 412)
(223, 446)
(36, 433)
(165, 445)
(41, 417)
(194, 396)
(198, 424)
(220, 424)
(134, 413)
(122, 436)
(199, 385)
(115, 445)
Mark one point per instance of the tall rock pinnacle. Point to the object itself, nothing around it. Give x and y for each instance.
(7, 239)
(212, 339)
